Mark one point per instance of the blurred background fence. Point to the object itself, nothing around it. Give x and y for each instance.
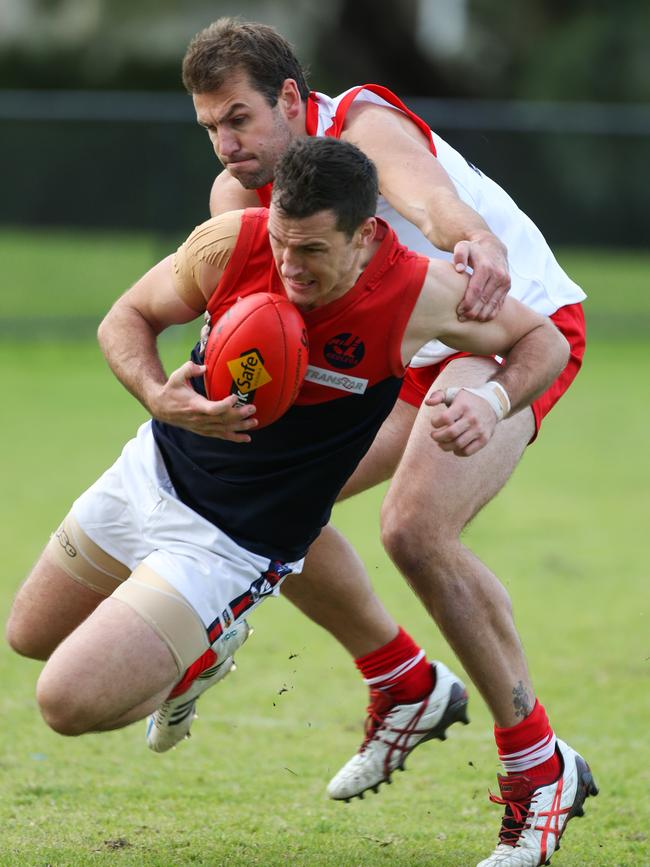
(104, 169)
(551, 98)
(137, 160)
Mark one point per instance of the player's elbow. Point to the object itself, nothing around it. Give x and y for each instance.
(120, 320)
(560, 351)
(105, 332)
(102, 330)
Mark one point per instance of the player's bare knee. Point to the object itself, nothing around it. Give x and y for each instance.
(22, 640)
(62, 723)
(61, 708)
(400, 539)
(23, 636)
(13, 635)
(409, 536)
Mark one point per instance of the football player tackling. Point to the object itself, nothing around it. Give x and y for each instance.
(135, 596)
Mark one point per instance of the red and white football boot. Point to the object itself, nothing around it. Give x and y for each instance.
(536, 817)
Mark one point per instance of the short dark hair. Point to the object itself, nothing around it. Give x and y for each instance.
(230, 45)
(319, 174)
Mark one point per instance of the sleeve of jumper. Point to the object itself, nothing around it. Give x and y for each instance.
(211, 244)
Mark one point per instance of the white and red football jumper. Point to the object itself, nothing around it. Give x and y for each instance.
(537, 279)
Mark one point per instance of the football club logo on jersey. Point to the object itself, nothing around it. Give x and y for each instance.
(344, 351)
(248, 374)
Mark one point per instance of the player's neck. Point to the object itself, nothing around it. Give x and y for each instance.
(365, 258)
(368, 256)
(298, 124)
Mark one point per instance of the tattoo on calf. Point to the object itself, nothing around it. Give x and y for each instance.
(521, 701)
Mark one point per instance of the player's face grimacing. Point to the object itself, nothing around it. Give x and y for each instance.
(316, 262)
(247, 134)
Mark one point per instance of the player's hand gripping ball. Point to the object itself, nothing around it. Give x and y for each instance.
(258, 350)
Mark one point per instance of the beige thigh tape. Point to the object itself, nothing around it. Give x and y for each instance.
(167, 612)
(84, 561)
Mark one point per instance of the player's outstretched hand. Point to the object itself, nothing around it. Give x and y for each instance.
(178, 404)
(467, 423)
(490, 280)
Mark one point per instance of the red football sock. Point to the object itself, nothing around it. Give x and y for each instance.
(528, 748)
(399, 668)
(196, 668)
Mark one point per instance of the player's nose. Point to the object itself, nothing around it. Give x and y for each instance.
(227, 145)
(290, 264)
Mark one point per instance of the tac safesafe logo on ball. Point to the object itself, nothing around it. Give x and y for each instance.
(258, 350)
(248, 374)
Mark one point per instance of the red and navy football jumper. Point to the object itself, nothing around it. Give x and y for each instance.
(274, 494)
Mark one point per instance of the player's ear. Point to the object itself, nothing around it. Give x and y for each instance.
(367, 231)
(289, 99)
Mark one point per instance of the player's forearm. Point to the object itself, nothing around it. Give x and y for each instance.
(533, 363)
(445, 220)
(129, 344)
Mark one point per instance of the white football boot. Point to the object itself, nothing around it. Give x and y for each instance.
(167, 726)
(535, 818)
(395, 730)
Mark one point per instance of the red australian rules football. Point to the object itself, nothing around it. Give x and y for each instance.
(258, 350)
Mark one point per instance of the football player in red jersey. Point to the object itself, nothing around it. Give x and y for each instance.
(251, 96)
(118, 603)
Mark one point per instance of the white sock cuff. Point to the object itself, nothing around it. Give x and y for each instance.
(530, 757)
(384, 680)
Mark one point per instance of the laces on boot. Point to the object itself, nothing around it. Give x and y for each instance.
(514, 819)
(380, 705)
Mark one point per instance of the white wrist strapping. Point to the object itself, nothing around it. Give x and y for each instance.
(492, 391)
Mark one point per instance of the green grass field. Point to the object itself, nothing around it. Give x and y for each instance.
(567, 536)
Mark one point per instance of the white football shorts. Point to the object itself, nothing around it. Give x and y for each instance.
(133, 514)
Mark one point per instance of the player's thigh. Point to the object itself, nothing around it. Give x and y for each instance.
(385, 453)
(436, 493)
(112, 662)
(70, 579)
